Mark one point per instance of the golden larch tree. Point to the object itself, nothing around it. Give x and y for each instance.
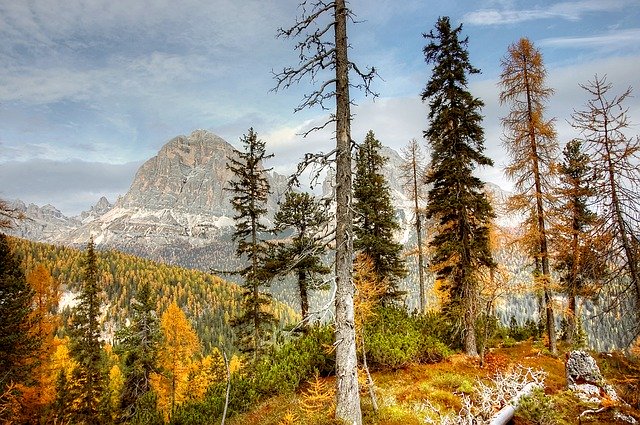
(178, 346)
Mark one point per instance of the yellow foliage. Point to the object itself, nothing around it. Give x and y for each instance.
(235, 364)
(289, 418)
(369, 290)
(317, 397)
(179, 345)
(116, 382)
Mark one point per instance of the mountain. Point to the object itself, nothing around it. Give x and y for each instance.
(176, 211)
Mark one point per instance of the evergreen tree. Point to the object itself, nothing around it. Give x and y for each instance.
(250, 189)
(374, 216)
(578, 261)
(138, 344)
(86, 347)
(301, 253)
(531, 143)
(457, 202)
(17, 345)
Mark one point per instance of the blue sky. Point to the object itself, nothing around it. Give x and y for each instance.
(89, 89)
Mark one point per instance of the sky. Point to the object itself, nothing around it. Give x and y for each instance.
(90, 89)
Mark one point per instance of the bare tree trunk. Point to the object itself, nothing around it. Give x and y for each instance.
(348, 395)
(226, 398)
(416, 211)
(370, 384)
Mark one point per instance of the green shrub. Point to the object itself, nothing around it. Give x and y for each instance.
(395, 339)
(290, 365)
(537, 408)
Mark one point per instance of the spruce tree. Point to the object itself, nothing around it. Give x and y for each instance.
(17, 344)
(579, 262)
(374, 216)
(302, 253)
(138, 344)
(457, 202)
(250, 189)
(86, 347)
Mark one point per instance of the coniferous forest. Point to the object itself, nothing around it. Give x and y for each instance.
(91, 336)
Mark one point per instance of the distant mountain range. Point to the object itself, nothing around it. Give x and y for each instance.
(178, 212)
(177, 209)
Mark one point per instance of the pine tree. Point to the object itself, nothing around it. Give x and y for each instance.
(138, 344)
(374, 216)
(302, 253)
(17, 345)
(250, 189)
(457, 202)
(531, 143)
(86, 348)
(578, 261)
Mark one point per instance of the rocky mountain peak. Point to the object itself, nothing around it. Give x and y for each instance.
(188, 174)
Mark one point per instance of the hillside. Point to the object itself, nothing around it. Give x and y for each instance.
(208, 301)
(426, 393)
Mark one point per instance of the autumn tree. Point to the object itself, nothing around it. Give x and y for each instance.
(86, 347)
(323, 47)
(604, 127)
(17, 345)
(40, 393)
(457, 202)
(250, 188)
(374, 216)
(414, 174)
(178, 346)
(578, 261)
(139, 344)
(301, 254)
(530, 140)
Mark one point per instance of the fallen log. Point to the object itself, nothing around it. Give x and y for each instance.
(506, 413)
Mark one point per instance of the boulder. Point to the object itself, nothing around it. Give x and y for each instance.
(585, 379)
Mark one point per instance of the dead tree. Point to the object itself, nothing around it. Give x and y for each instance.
(322, 50)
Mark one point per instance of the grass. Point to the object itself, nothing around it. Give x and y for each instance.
(408, 396)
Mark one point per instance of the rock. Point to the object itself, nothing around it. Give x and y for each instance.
(586, 380)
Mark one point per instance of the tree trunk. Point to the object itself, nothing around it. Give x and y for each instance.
(540, 215)
(347, 391)
(416, 209)
(304, 298)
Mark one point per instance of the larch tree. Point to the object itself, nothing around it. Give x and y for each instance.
(578, 261)
(604, 128)
(323, 47)
(375, 218)
(457, 203)
(531, 143)
(88, 378)
(178, 345)
(301, 254)
(414, 174)
(17, 345)
(40, 394)
(139, 343)
(250, 188)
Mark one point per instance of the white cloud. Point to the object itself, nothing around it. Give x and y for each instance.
(617, 39)
(572, 11)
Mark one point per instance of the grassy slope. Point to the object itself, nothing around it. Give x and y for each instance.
(402, 394)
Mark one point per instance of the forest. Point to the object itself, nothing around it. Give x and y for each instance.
(101, 337)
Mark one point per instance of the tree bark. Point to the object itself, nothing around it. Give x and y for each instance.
(347, 391)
